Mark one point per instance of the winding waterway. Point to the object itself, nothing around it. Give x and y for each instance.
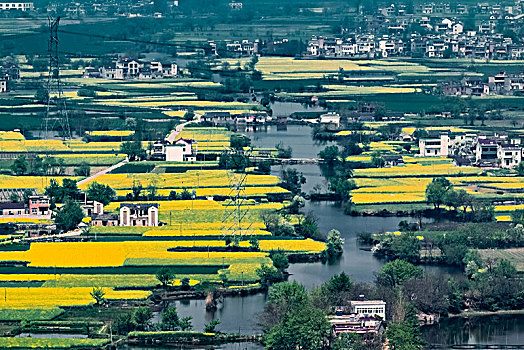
(240, 314)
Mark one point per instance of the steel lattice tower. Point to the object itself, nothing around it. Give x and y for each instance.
(55, 95)
(236, 219)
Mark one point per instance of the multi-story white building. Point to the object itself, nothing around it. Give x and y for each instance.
(19, 5)
(138, 214)
(434, 146)
(509, 155)
(368, 308)
(3, 85)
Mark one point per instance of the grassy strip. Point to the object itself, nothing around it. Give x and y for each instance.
(50, 343)
(29, 314)
(122, 270)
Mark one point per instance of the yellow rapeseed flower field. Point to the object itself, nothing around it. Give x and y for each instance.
(122, 133)
(38, 182)
(43, 298)
(11, 135)
(189, 179)
(375, 198)
(416, 170)
(112, 254)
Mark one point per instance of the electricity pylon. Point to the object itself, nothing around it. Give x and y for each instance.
(55, 94)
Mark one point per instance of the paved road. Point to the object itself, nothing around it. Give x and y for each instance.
(103, 172)
(178, 129)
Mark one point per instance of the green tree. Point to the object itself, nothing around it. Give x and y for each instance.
(288, 294)
(69, 216)
(283, 152)
(170, 319)
(305, 328)
(19, 166)
(69, 189)
(125, 324)
(377, 160)
(133, 150)
(396, 272)
(280, 259)
(308, 227)
(142, 317)
(268, 274)
(224, 277)
(100, 193)
(342, 187)
(53, 190)
(437, 190)
(406, 247)
(520, 168)
(329, 154)
(41, 95)
(164, 276)
(338, 289)
(253, 242)
(210, 327)
(505, 268)
(239, 141)
(293, 180)
(233, 160)
(84, 170)
(264, 167)
(403, 335)
(136, 190)
(98, 294)
(334, 244)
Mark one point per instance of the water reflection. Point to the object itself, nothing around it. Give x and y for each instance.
(236, 314)
(484, 330)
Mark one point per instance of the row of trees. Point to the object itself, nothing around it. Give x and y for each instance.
(440, 192)
(453, 245)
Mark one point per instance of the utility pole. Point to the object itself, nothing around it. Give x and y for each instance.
(54, 85)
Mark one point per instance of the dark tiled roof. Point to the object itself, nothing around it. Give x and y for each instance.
(12, 206)
(105, 217)
(139, 205)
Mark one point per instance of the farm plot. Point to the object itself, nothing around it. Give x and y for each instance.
(50, 343)
(189, 179)
(418, 170)
(45, 298)
(399, 189)
(38, 182)
(276, 68)
(515, 255)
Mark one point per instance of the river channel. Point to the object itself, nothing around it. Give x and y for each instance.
(240, 314)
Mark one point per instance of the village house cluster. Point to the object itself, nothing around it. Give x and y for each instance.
(441, 33)
(498, 84)
(129, 68)
(472, 149)
(140, 8)
(32, 205)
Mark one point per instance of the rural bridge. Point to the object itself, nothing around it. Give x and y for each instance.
(301, 161)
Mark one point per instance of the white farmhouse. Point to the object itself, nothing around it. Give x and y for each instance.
(330, 118)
